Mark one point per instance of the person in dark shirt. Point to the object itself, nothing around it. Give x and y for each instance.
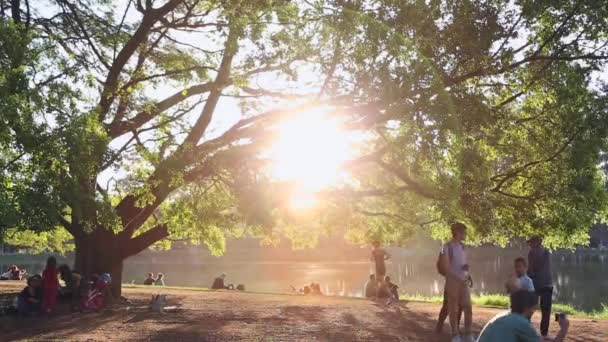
(150, 280)
(539, 269)
(392, 290)
(30, 299)
(219, 283)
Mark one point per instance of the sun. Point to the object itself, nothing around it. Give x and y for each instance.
(309, 152)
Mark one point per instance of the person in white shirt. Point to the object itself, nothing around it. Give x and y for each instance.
(453, 261)
(520, 279)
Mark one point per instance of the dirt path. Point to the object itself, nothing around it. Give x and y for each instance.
(234, 316)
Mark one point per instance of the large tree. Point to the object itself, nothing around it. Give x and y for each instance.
(490, 112)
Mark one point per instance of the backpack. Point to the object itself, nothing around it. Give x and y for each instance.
(440, 268)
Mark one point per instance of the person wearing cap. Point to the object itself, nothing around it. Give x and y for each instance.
(539, 269)
(515, 325)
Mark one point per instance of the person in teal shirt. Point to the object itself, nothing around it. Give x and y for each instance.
(515, 326)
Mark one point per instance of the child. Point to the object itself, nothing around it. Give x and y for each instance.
(30, 298)
(99, 294)
(159, 280)
(50, 285)
(520, 280)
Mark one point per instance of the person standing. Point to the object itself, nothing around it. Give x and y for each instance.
(379, 256)
(539, 269)
(453, 262)
(50, 285)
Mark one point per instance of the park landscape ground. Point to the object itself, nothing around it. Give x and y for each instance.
(244, 316)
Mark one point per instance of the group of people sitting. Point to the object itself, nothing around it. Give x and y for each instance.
(312, 289)
(44, 291)
(158, 281)
(14, 273)
(379, 285)
(381, 288)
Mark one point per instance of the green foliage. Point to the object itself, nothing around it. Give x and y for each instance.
(502, 301)
(56, 241)
(489, 112)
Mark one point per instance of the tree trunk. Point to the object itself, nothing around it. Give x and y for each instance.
(102, 251)
(99, 253)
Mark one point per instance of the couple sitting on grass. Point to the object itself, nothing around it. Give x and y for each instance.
(158, 281)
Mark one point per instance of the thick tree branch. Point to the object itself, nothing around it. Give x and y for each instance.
(150, 17)
(221, 80)
(144, 240)
(119, 128)
(407, 179)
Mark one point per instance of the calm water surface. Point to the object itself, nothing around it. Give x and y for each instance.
(580, 282)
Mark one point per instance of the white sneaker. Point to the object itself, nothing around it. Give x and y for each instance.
(469, 338)
(456, 339)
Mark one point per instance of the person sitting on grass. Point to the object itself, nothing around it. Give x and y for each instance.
(392, 290)
(8, 275)
(306, 291)
(150, 280)
(516, 326)
(370, 287)
(219, 283)
(159, 280)
(316, 289)
(17, 274)
(520, 280)
(99, 295)
(30, 299)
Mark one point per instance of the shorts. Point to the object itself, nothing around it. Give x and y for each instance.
(457, 292)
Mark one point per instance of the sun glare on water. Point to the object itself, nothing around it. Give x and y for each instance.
(309, 152)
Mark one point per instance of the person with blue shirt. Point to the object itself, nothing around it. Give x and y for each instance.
(515, 326)
(520, 280)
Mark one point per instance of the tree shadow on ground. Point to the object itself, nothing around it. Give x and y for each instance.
(307, 313)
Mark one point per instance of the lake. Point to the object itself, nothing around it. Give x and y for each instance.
(581, 279)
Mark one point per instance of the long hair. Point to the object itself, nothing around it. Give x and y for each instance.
(51, 262)
(65, 272)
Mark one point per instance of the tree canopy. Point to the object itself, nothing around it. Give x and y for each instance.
(145, 121)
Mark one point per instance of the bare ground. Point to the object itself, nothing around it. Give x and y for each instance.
(237, 316)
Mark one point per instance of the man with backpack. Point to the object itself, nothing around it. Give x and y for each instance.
(452, 264)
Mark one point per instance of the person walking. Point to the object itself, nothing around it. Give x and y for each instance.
(539, 269)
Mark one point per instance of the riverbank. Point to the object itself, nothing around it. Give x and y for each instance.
(200, 315)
